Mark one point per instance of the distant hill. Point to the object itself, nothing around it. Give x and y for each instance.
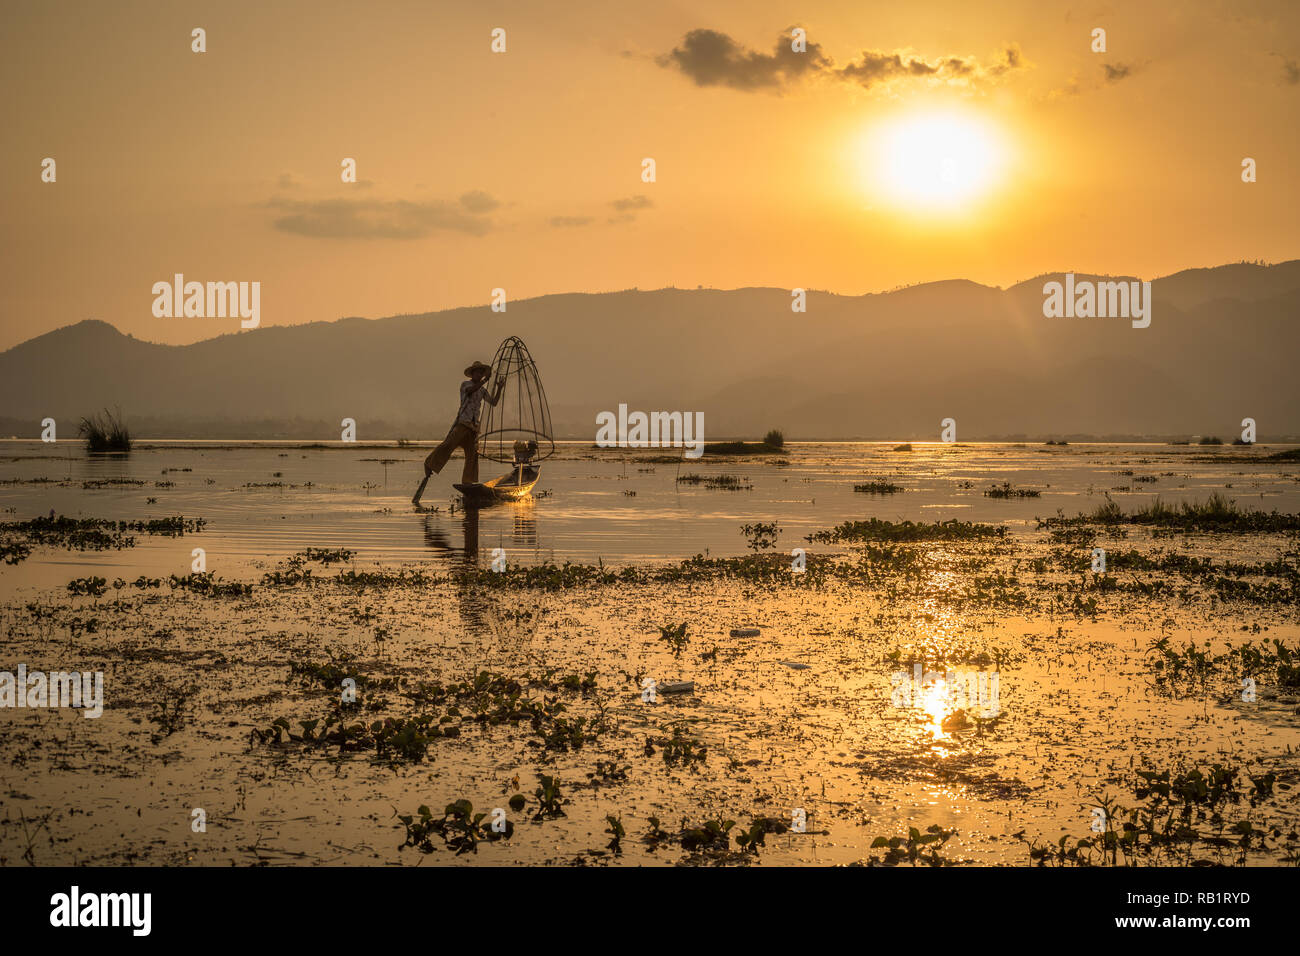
(1221, 347)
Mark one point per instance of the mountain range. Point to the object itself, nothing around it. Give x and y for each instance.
(1221, 347)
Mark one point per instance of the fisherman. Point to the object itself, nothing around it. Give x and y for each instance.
(464, 431)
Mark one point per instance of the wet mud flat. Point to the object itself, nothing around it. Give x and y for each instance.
(331, 710)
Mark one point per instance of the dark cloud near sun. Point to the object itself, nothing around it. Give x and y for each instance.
(872, 68)
(711, 58)
(383, 219)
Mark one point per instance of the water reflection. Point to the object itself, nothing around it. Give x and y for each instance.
(437, 536)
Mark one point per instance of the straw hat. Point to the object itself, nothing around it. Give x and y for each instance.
(477, 367)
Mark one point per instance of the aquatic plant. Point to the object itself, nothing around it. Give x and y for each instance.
(607, 772)
(616, 832)
(713, 835)
(880, 487)
(171, 711)
(875, 529)
(916, 847)
(719, 482)
(460, 827)
(1218, 513)
(1181, 811)
(91, 586)
(675, 636)
(106, 433)
(1006, 491)
(550, 800)
(679, 749)
(761, 535)
(206, 583)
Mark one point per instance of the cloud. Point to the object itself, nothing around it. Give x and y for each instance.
(383, 219)
(477, 201)
(629, 207)
(1291, 71)
(1117, 71)
(874, 68)
(711, 58)
(626, 211)
(632, 203)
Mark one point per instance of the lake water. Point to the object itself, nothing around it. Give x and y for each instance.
(265, 501)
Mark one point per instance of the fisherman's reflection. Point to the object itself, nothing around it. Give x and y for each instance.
(436, 537)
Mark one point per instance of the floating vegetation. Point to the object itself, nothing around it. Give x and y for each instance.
(1190, 668)
(172, 711)
(916, 847)
(906, 446)
(880, 487)
(1218, 513)
(550, 800)
(406, 577)
(675, 636)
(1183, 818)
(722, 482)
(679, 749)
(761, 535)
(18, 538)
(331, 674)
(876, 529)
(90, 587)
(12, 552)
(323, 556)
(1006, 491)
(460, 828)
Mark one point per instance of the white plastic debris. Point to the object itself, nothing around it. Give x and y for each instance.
(680, 687)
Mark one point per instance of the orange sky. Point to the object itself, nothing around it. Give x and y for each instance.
(523, 169)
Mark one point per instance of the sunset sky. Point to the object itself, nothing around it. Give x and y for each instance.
(523, 169)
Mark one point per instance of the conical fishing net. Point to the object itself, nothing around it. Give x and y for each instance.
(518, 427)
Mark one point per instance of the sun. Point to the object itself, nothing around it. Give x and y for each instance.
(935, 163)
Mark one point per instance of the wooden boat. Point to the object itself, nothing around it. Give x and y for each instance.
(513, 486)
